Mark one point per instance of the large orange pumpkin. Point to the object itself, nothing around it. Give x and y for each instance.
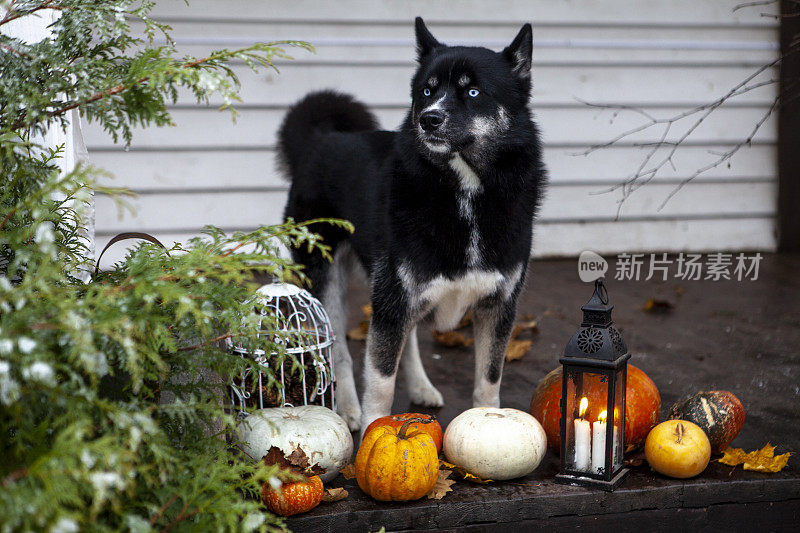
(397, 464)
(642, 410)
(427, 424)
(294, 497)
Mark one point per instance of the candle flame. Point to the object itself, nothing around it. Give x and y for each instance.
(602, 416)
(584, 405)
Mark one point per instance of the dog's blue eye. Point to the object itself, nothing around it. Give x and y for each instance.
(473, 92)
(426, 91)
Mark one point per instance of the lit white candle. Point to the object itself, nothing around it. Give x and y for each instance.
(599, 444)
(583, 437)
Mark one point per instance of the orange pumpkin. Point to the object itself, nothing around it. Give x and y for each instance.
(427, 424)
(294, 497)
(642, 410)
(397, 464)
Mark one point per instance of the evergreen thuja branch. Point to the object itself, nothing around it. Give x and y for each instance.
(13, 14)
(270, 50)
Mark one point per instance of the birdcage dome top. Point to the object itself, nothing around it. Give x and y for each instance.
(296, 310)
(277, 289)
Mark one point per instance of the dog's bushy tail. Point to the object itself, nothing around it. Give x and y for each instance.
(318, 112)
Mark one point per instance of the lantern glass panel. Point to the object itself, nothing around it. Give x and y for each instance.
(619, 419)
(586, 399)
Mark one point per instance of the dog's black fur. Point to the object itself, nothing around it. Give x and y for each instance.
(453, 193)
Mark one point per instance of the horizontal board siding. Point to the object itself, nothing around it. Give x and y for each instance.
(246, 210)
(660, 57)
(703, 235)
(577, 126)
(389, 85)
(397, 34)
(203, 169)
(394, 44)
(566, 239)
(540, 12)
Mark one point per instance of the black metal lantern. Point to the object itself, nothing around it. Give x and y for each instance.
(595, 365)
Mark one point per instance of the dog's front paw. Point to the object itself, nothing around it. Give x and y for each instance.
(426, 395)
(351, 413)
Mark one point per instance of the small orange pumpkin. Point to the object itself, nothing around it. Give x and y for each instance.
(397, 464)
(294, 497)
(427, 424)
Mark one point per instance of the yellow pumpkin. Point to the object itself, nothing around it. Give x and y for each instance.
(677, 448)
(397, 464)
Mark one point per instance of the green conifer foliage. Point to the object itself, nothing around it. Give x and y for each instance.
(88, 438)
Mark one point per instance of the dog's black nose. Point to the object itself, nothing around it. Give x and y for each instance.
(431, 120)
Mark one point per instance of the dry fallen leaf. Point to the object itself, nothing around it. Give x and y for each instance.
(521, 327)
(463, 474)
(516, 349)
(349, 472)
(451, 338)
(297, 461)
(466, 320)
(359, 333)
(763, 460)
(334, 495)
(652, 305)
(442, 486)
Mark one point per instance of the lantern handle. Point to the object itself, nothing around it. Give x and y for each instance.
(601, 291)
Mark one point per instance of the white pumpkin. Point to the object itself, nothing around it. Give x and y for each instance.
(495, 443)
(318, 431)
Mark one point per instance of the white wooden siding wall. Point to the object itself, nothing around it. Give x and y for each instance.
(663, 57)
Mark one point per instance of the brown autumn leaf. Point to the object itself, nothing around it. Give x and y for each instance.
(359, 333)
(334, 495)
(442, 485)
(653, 305)
(465, 321)
(297, 461)
(275, 456)
(521, 327)
(349, 471)
(463, 474)
(516, 349)
(763, 460)
(451, 339)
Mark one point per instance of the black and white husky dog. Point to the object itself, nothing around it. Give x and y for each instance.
(443, 211)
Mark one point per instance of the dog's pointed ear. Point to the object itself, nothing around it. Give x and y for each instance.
(519, 52)
(425, 40)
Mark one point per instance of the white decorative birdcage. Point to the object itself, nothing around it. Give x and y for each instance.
(306, 333)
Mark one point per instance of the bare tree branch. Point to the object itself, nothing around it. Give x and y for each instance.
(651, 165)
(752, 4)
